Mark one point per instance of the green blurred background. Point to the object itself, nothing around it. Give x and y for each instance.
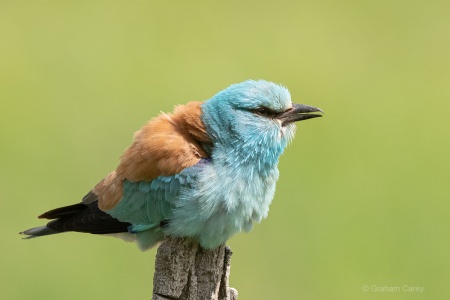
(363, 194)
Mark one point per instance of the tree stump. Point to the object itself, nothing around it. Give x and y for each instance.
(186, 271)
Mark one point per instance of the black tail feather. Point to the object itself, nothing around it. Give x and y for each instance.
(38, 231)
(80, 218)
(63, 211)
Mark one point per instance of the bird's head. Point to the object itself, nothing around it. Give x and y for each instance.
(254, 118)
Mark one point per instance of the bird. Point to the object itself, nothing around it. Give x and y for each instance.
(206, 171)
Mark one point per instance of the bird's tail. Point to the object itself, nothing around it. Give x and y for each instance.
(38, 231)
(79, 217)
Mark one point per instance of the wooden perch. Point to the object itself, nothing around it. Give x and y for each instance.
(186, 271)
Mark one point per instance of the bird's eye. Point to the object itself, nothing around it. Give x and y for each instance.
(262, 111)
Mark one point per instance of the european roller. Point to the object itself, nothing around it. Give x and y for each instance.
(206, 171)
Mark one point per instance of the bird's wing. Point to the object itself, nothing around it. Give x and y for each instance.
(154, 168)
(147, 205)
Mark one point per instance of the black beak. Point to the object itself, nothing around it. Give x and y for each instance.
(299, 112)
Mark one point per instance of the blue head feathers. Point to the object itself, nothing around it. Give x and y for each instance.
(242, 122)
